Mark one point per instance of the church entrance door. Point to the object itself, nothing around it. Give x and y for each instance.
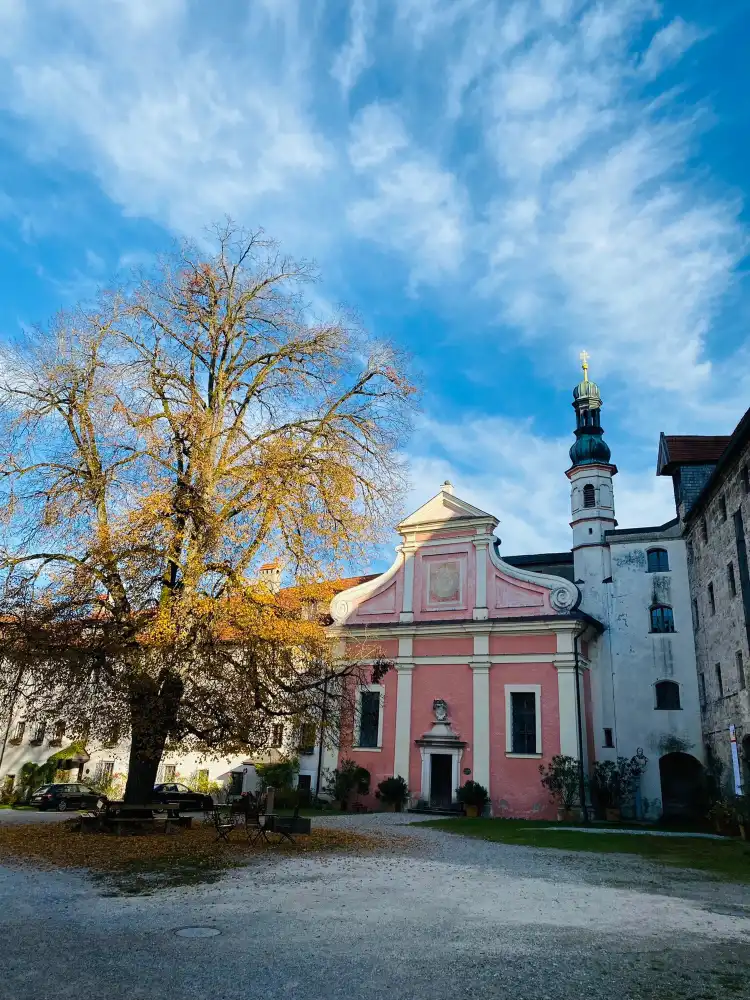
(441, 780)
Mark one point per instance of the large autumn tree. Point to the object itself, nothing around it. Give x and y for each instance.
(160, 444)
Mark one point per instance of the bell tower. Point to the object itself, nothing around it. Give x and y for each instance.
(592, 503)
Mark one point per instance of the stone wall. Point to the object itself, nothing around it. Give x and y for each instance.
(722, 634)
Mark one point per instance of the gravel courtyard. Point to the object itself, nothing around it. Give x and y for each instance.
(437, 917)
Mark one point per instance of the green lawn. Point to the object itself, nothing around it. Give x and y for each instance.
(727, 859)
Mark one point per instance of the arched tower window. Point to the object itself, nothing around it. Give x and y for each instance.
(662, 619)
(658, 561)
(667, 696)
(589, 496)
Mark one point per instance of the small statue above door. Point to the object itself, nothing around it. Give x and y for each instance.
(440, 708)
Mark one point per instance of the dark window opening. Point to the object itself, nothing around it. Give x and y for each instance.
(18, 732)
(745, 478)
(702, 687)
(667, 696)
(704, 529)
(662, 619)
(696, 618)
(711, 599)
(307, 738)
(608, 739)
(523, 710)
(658, 561)
(740, 670)
(369, 718)
(719, 682)
(277, 734)
(589, 496)
(722, 508)
(731, 580)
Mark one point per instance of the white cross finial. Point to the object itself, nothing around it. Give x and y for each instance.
(584, 356)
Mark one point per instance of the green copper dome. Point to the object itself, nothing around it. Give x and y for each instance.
(590, 448)
(586, 390)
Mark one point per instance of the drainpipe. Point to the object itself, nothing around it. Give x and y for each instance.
(579, 709)
(322, 736)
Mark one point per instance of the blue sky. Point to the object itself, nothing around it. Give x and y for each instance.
(494, 184)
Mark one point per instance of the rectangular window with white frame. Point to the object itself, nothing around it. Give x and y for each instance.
(368, 720)
(523, 720)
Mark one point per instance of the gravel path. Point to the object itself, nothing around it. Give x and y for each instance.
(438, 916)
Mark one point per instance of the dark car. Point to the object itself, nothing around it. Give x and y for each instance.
(173, 791)
(62, 797)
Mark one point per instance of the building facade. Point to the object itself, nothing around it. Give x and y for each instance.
(711, 478)
(502, 663)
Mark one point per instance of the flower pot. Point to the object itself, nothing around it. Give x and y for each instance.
(472, 811)
(569, 815)
(612, 815)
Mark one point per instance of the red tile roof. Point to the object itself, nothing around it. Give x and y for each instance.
(689, 449)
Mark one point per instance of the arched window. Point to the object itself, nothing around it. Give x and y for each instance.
(662, 619)
(589, 496)
(667, 696)
(658, 561)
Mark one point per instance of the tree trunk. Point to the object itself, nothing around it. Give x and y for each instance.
(153, 711)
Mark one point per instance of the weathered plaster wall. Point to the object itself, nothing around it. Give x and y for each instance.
(630, 659)
(720, 636)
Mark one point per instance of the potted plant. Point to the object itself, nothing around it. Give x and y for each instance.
(606, 789)
(346, 781)
(742, 809)
(561, 777)
(724, 817)
(473, 798)
(393, 793)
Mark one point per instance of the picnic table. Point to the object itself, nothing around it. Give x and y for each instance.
(121, 816)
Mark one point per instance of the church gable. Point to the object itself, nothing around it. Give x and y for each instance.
(513, 594)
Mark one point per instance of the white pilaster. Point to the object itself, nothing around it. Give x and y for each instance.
(481, 612)
(481, 743)
(407, 607)
(566, 693)
(403, 721)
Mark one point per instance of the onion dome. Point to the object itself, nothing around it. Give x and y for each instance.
(590, 448)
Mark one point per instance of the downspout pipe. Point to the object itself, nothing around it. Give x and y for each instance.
(579, 719)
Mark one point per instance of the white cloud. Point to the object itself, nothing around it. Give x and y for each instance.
(668, 45)
(353, 58)
(414, 203)
(520, 155)
(508, 469)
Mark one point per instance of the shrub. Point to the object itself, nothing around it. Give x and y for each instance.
(606, 787)
(347, 780)
(471, 793)
(278, 775)
(393, 791)
(561, 778)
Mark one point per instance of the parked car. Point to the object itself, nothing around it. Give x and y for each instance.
(62, 797)
(190, 801)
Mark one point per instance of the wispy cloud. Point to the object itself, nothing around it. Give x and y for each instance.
(533, 160)
(353, 58)
(518, 475)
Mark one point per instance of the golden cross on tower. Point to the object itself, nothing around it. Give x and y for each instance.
(584, 356)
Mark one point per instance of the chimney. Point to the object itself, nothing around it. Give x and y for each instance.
(270, 574)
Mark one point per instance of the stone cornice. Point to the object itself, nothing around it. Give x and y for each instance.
(493, 626)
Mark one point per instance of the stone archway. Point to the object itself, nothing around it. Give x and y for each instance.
(683, 786)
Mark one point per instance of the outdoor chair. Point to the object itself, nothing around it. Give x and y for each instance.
(223, 824)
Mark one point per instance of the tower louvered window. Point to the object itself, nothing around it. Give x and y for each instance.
(589, 496)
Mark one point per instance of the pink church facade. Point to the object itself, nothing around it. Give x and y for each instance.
(484, 686)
